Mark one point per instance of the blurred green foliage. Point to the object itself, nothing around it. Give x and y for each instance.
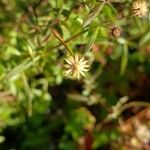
(39, 107)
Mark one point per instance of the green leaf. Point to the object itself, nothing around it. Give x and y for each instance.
(27, 93)
(81, 118)
(2, 139)
(94, 12)
(124, 59)
(92, 40)
(67, 145)
(59, 3)
(145, 39)
(20, 68)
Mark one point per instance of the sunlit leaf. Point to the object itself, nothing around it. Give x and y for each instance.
(20, 68)
(145, 39)
(94, 12)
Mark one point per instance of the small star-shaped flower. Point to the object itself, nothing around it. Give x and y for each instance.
(140, 8)
(76, 66)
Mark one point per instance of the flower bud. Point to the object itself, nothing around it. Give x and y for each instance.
(115, 31)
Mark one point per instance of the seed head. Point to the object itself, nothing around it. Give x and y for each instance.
(116, 31)
(76, 66)
(140, 8)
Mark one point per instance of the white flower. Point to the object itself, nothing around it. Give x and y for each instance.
(140, 8)
(76, 66)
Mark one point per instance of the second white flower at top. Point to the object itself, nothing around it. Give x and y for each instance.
(140, 8)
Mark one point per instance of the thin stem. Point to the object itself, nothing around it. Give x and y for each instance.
(57, 35)
(97, 74)
(134, 104)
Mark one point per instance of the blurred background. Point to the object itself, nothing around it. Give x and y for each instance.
(42, 109)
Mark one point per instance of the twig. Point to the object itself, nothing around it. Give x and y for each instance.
(57, 35)
(123, 108)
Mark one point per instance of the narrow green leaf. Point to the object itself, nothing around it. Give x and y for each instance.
(27, 93)
(92, 40)
(94, 12)
(124, 60)
(20, 68)
(145, 39)
(59, 3)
